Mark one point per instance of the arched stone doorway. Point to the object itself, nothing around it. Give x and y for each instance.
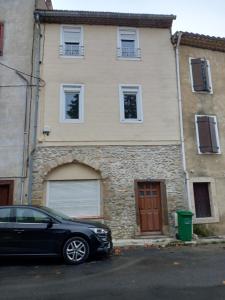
(74, 189)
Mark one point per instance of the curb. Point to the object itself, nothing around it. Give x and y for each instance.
(166, 242)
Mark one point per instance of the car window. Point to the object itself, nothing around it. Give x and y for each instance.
(57, 214)
(28, 215)
(5, 215)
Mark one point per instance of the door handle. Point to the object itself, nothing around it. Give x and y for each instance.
(18, 230)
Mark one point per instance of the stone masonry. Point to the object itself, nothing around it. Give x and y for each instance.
(119, 166)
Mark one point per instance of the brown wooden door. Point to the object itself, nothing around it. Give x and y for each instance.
(149, 205)
(6, 192)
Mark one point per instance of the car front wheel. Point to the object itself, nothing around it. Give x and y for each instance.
(76, 251)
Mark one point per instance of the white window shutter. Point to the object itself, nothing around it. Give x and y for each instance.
(71, 37)
(75, 198)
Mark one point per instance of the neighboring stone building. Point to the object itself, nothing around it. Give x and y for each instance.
(202, 77)
(17, 45)
(108, 139)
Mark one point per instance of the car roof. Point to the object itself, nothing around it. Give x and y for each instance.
(22, 206)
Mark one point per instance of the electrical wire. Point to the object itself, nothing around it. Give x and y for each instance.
(21, 72)
(19, 85)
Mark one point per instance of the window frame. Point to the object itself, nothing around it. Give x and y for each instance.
(216, 131)
(209, 77)
(136, 43)
(71, 87)
(212, 197)
(62, 27)
(131, 88)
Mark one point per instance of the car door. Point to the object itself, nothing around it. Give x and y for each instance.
(6, 231)
(34, 234)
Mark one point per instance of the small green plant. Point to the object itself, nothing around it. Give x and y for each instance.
(202, 231)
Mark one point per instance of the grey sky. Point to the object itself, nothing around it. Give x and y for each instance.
(198, 16)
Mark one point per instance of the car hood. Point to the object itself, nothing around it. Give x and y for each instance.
(92, 224)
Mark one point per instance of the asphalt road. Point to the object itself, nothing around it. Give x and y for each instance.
(168, 273)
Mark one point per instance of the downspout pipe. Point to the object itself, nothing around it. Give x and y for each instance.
(187, 179)
(35, 122)
(25, 141)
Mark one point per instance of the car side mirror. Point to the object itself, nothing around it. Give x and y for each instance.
(50, 223)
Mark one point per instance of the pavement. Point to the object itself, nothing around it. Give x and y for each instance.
(164, 241)
(149, 272)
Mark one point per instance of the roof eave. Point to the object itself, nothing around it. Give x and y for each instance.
(105, 18)
(201, 41)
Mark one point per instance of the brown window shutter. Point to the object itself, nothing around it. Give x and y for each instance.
(204, 134)
(200, 75)
(1, 38)
(207, 134)
(212, 125)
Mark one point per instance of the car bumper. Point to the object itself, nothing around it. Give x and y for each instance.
(105, 247)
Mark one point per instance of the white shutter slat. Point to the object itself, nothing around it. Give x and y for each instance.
(128, 37)
(71, 37)
(75, 198)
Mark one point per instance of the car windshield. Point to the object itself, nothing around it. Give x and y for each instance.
(57, 214)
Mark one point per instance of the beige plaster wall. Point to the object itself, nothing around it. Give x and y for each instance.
(101, 72)
(17, 16)
(206, 165)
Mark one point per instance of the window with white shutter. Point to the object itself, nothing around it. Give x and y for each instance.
(128, 43)
(75, 198)
(71, 41)
(130, 104)
(71, 103)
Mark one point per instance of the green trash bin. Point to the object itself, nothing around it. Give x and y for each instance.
(184, 225)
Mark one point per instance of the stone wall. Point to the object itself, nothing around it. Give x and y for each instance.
(119, 166)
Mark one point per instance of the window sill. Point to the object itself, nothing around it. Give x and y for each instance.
(72, 56)
(71, 121)
(128, 58)
(206, 220)
(202, 92)
(131, 121)
(210, 153)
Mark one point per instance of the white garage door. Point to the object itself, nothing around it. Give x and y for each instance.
(75, 198)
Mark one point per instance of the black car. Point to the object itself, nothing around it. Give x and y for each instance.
(38, 230)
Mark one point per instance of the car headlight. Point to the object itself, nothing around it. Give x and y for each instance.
(99, 230)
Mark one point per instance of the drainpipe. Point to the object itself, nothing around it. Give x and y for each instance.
(187, 179)
(35, 125)
(25, 141)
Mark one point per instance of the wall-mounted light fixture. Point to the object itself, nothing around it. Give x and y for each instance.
(46, 130)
